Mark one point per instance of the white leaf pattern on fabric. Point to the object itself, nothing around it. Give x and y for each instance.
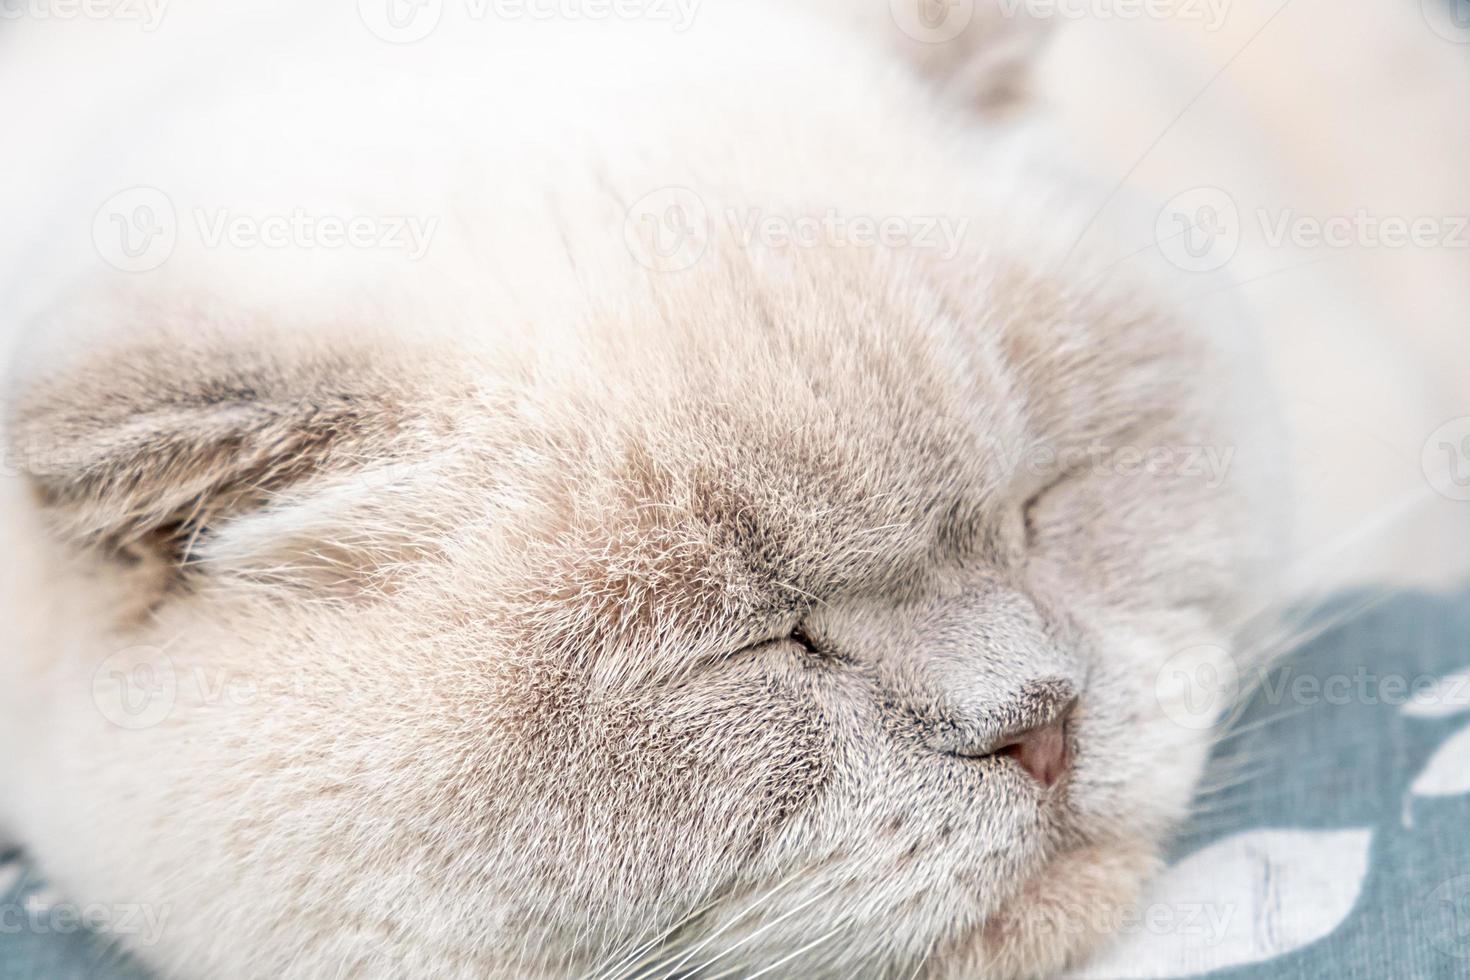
(1245, 899)
(1448, 772)
(1450, 695)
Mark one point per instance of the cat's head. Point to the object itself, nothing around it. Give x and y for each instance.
(809, 614)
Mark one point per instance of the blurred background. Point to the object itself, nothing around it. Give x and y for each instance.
(1317, 156)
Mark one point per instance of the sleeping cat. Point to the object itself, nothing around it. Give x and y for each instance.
(502, 497)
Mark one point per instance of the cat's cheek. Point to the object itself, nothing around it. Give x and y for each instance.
(1064, 915)
(761, 721)
(1139, 755)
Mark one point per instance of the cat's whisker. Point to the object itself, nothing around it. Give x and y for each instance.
(1103, 273)
(620, 963)
(1307, 564)
(628, 951)
(1230, 733)
(1302, 625)
(924, 961)
(1223, 824)
(1226, 764)
(1218, 810)
(1241, 283)
(1219, 786)
(753, 936)
(1272, 650)
(814, 600)
(876, 955)
(1268, 657)
(633, 950)
(1148, 151)
(643, 970)
(798, 952)
(1217, 783)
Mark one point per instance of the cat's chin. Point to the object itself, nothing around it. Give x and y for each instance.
(1061, 917)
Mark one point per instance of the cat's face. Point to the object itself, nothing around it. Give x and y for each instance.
(697, 636)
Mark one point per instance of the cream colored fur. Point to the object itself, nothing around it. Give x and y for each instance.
(474, 578)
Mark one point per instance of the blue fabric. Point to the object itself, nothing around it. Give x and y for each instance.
(1349, 803)
(1333, 744)
(40, 940)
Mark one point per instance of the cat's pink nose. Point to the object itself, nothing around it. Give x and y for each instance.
(1042, 751)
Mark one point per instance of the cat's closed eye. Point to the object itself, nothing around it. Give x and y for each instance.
(814, 647)
(1032, 511)
(801, 641)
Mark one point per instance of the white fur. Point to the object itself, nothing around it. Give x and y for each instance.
(479, 659)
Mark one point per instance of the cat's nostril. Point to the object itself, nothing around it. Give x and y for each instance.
(1042, 751)
(1041, 748)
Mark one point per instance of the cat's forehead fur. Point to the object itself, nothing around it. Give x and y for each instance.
(745, 446)
(783, 440)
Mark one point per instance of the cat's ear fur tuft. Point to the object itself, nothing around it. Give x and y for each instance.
(979, 52)
(145, 444)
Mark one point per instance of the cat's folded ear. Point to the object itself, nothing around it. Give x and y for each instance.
(980, 52)
(148, 443)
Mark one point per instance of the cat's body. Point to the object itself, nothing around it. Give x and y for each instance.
(574, 589)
